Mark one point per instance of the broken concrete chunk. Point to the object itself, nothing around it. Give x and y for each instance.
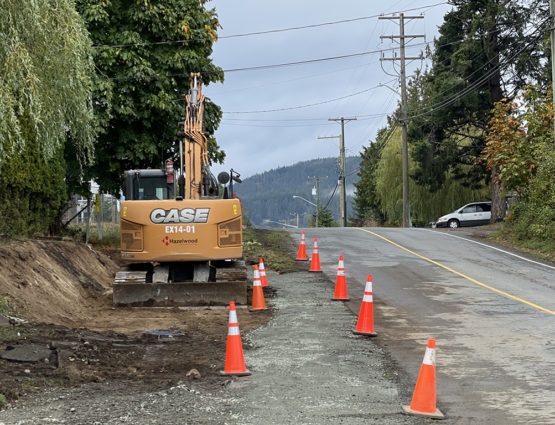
(27, 353)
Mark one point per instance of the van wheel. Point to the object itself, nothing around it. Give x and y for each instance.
(453, 224)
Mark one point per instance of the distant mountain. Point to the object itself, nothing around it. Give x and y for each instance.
(269, 196)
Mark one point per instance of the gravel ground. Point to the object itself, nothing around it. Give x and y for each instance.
(307, 368)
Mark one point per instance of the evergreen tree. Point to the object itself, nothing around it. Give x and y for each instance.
(325, 218)
(486, 51)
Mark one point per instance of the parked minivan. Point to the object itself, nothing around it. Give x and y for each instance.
(474, 214)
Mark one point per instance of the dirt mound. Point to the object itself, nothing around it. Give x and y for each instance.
(55, 281)
(64, 290)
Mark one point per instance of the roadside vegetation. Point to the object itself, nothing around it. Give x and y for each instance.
(274, 246)
(9, 307)
(470, 141)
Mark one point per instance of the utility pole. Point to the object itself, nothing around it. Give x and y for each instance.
(404, 106)
(342, 176)
(552, 13)
(341, 173)
(296, 214)
(317, 187)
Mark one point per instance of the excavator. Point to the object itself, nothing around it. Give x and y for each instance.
(181, 244)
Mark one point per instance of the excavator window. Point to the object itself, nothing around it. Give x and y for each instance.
(147, 185)
(151, 189)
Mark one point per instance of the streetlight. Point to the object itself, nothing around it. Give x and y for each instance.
(306, 200)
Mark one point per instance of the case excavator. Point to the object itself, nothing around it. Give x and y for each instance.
(181, 243)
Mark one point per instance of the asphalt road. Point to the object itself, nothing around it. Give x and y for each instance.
(492, 313)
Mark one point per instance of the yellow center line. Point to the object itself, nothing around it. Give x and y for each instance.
(491, 288)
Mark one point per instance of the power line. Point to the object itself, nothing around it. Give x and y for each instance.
(367, 116)
(343, 21)
(333, 194)
(304, 106)
(262, 67)
(278, 65)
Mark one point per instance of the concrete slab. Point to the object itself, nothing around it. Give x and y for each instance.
(31, 353)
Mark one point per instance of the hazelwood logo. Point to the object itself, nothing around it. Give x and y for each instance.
(175, 215)
(167, 241)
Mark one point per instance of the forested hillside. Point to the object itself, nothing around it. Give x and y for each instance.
(269, 196)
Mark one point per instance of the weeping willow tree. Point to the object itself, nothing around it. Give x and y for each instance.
(425, 206)
(46, 110)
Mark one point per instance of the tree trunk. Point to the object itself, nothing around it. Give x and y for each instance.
(498, 202)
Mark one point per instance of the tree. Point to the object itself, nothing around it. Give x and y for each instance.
(47, 125)
(520, 145)
(144, 53)
(325, 218)
(367, 203)
(486, 51)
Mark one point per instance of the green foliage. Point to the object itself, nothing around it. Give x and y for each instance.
(273, 246)
(45, 104)
(3, 402)
(10, 307)
(426, 206)
(325, 218)
(33, 191)
(140, 89)
(518, 136)
(488, 48)
(533, 216)
(366, 203)
(520, 144)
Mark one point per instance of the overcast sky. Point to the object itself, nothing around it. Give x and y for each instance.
(257, 142)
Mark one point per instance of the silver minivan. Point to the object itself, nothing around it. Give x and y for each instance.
(474, 214)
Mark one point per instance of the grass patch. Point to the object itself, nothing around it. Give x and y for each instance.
(274, 246)
(540, 248)
(10, 307)
(13, 333)
(110, 235)
(3, 402)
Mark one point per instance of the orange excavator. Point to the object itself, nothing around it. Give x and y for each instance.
(181, 245)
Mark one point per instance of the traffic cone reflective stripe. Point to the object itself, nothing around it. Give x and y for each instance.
(263, 278)
(234, 360)
(258, 302)
(340, 293)
(301, 254)
(315, 261)
(424, 398)
(365, 322)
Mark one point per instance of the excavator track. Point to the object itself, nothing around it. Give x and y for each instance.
(170, 285)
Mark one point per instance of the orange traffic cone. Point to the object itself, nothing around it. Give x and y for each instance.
(365, 323)
(234, 361)
(301, 254)
(424, 398)
(258, 302)
(340, 283)
(315, 261)
(263, 278)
